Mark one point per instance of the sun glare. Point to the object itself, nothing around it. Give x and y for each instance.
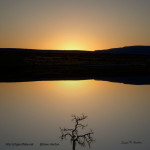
(72, 46)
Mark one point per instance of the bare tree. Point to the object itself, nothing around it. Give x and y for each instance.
(74, 135)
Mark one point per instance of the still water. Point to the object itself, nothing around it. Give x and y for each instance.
(32, 112)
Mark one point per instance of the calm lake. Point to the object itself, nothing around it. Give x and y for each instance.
(33, 112)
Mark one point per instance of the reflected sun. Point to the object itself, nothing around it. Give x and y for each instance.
(71, 84)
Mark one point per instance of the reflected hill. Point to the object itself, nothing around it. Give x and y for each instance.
(130, 66)
(135, 80)
(118, 74)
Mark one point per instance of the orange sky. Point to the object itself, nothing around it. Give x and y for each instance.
(74, 24)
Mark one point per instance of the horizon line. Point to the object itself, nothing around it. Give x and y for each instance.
(75, 49)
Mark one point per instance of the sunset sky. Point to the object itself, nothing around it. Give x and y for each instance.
(74, 24)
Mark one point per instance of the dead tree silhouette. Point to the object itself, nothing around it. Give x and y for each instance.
(75, 136)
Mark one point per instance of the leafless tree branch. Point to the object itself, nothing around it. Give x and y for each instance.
(75, 137)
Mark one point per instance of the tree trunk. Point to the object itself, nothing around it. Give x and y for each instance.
(74, 145)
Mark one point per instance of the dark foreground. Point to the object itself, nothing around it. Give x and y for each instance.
(18, 65)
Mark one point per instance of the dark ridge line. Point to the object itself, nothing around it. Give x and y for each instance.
(120, 50)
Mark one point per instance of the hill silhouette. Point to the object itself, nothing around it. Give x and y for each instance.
(145, 50)
(22, 50)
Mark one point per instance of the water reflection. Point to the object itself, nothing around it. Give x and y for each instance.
(34, 111)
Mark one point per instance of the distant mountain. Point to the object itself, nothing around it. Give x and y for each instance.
(127, 50)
